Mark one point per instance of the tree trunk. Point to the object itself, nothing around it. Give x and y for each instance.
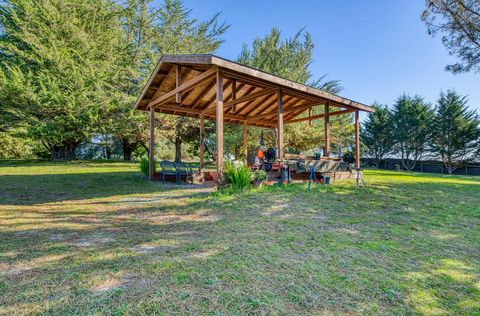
(178, 149)
(65, 151)
(127, 150)
(57, 152)
(127, 154)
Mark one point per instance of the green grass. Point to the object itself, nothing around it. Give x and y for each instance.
(97, 238)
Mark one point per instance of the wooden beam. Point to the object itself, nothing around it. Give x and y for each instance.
(318, 116)
(357, 140)
(190, 84)
(234, 95)
(245, 105)
(302, 107)
(172, 107)
(201, 152)
(261, 105)
(326, 152)
(204, 93)
(261, 110)
(237, 90)
(178, 82)
(219, 124)
(251, 96)
(280, 123)
(151, 150)
(211, 104)
(245, 142)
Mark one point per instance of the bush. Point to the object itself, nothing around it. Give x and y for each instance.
(260, 175)
(238, 176)
(145, 166)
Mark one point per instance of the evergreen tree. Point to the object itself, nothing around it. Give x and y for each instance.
(291, 59)
(55, 60)
(179, 33)
(137, 58)
(377, 133)
(412, 126)
(455, 130)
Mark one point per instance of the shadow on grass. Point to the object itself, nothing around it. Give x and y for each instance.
(387, 249)
(45, 188)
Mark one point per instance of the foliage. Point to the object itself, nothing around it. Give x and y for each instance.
(291, 58)
(74, 69)
(145, 166)
(377, 133)
(455, 130)
(179, 33)
(260, 175)
(14, 144)
(56, 64)
(151, 31)
(412, 122)
(459, 23)
(237, 176)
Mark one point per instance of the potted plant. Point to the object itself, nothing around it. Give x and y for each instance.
(259, 177)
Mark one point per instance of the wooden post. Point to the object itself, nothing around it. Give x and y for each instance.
(326, 152)
(310, 115)
(357, 140)
(151, 149)
(234, 95)
(201, 152)
(280, 124)
(219, 124)
(178, 82)
(245, 143)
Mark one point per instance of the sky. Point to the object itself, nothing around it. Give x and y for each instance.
(377, 49)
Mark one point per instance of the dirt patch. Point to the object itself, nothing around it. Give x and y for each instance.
(107, 285)
(345, 230)
(206, 253)
(21, 267)
(94, 240)
(277, 206)
(116, 282)
(146, 249)
(61, 236)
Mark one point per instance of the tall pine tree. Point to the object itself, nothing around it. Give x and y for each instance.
(455, 130)
(412, 123)
(377, 133)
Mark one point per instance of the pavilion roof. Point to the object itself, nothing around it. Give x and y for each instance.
(186, 85)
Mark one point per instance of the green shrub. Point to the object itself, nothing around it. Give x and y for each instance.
(145, 166)
(238, 176)
(260, 175)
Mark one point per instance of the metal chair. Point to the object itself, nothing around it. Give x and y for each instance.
(184, 169)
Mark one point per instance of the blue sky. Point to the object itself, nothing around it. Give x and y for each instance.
(378, 49)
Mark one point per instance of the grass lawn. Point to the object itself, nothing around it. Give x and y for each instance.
(97, 238)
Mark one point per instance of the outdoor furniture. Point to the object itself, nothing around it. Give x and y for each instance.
(168, 169)
(184, 169)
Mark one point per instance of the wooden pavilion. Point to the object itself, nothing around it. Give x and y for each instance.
(210, 87)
